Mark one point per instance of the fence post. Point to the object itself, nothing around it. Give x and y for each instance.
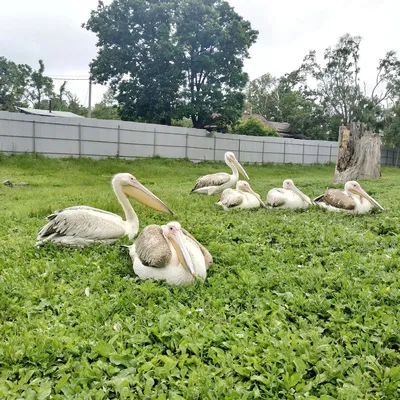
(393, 157)
(262, 155)
(80, 139)
(215, 145)
(318, 154)
(284, 152)
(330, 154)
(118, 140)
(186, 145)
(239, 151)
(302, 156)
(154, 142)
(34, 137)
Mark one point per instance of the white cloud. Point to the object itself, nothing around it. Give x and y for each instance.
(50, 30)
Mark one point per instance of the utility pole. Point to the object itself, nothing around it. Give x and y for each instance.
(90, 97)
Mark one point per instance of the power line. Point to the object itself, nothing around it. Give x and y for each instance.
(69, 79)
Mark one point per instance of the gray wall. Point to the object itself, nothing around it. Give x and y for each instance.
(75, 137)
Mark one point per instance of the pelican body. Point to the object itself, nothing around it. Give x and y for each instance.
(241, 197)
(169, 253)
(289, 196)
(217, 183)
(353, 199)
(82, 225)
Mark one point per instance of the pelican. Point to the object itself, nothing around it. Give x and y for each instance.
(353, 199)
(242, 197)
(288, 197)
(217, 183)
(169, 253)
(82, 225)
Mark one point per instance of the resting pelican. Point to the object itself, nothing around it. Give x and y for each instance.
(169, 253)
(82, 225)
(242, 197)
(288, 197)
(353, 199)
(217, 183)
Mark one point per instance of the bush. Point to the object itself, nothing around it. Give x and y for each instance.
(254, 127)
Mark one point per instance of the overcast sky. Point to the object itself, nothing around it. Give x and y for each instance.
(288, 29)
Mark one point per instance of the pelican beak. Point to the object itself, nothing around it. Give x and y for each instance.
(240, 168)
(364, 194)
(301, 194)
(137, 191)
(177, 240)
(258, 197)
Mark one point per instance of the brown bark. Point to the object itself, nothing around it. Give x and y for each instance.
(359, 154)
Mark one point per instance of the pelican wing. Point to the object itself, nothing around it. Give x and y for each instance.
(276, 197)
(337, 198)
(211, 180)
(207, 256)
(231, 198)
(83, 222)
(152, 248)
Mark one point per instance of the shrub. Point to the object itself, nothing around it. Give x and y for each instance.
(254, 127)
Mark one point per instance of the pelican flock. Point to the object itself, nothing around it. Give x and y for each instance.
(169, 253)
(217, 183)
(241, 197)
(289, 196)
(353, 199)
(82, 225)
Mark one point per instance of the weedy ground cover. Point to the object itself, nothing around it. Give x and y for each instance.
(297, 304)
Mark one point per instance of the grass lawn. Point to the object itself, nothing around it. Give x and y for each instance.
(297, 304)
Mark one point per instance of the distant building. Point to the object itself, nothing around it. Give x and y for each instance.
(283, 128)
(47, 113)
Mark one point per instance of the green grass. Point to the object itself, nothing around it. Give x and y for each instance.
(297, 304)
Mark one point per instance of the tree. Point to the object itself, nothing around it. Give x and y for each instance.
(336, 84)
(107, 108)
(391, 135)
(13, 81)
(40, 87)
(172, 58)
(254, 127)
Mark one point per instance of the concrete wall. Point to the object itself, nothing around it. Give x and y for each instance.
(75, 137)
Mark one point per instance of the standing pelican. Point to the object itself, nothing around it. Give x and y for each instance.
(288, 197)
(217, 183)
(169, 253)
(242, 197)
(83, 225)
(353, 199)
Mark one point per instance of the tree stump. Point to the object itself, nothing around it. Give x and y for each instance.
(359, 154)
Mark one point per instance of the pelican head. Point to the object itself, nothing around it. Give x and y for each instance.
(231, 160)
(244, 186)
(173, 232)
(355, 188)
(288, 184)
(133, 188)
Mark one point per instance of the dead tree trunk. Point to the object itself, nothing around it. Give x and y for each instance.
(359, 154)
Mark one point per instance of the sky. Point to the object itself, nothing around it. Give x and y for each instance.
(288, 29)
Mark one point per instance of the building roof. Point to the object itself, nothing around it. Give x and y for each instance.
(47, 113)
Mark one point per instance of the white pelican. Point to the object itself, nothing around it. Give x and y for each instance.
(169, 253)
(82, 225)
(241, 197)
(353, 199)
(217, 183)
(288, 197)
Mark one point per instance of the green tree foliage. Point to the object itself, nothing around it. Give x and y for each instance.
(391, 135)
(13, 82)
(318, 97)
(40, 87)
(172, 58)
(107, 108)
(254, 127)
